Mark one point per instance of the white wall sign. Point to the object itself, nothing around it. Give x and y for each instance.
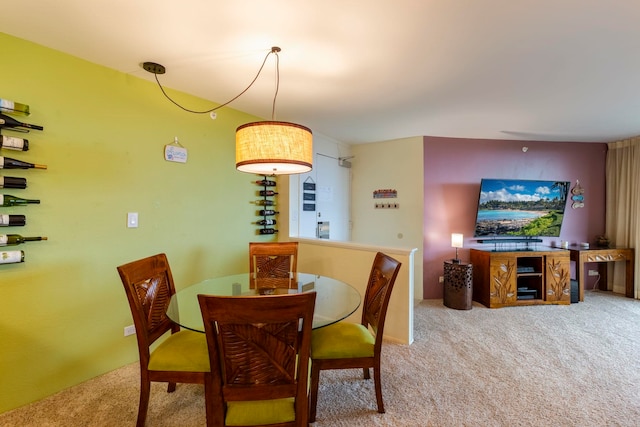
(173, 153)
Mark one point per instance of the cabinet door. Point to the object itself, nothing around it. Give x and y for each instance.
(557, 283)
(503, 280)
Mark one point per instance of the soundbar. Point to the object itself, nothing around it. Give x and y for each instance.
(510, 240)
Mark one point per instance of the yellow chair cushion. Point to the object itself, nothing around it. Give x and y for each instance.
(184, 351)
(260, 412)
(342, 340)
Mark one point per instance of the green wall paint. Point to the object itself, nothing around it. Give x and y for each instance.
(64, 309)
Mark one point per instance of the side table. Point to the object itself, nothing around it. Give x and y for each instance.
(583, 256)
(458, 285)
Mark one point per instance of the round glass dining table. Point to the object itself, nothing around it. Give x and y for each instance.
(335, 300)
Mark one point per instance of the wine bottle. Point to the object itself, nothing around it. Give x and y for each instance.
(8, 200)
(265, 202)
(12, 220)
(267, 231)
(9, 163)
(10, 257)
(10, 122)
(16, 239)
(266, 183)
(267, 193)
(14, 143)
(14, 107)
(267, 212)
(266, 222)
(13, 182)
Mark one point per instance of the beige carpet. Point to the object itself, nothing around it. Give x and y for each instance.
(575, 365)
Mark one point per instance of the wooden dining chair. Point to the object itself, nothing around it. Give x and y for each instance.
(273, 264)
(346, 345)
(182, 357)
(259, 353)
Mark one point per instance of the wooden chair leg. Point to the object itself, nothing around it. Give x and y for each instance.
(171, 387)
(143, 405)
(365, 373)
(378, 386)
(313, 396)
(214, 405)
(208, 403)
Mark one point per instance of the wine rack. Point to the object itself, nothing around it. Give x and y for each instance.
(12, 142)
(267, 211)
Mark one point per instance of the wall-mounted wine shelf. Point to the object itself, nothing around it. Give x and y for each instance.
(12, 183)
(266, 201)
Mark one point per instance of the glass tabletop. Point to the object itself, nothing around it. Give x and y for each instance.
(335, 300)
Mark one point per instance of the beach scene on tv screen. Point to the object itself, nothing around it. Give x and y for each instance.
(521, 207)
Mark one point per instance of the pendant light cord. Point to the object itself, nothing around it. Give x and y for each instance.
(275, 95)
(273, 50)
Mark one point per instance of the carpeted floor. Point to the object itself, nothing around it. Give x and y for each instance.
(576, 365)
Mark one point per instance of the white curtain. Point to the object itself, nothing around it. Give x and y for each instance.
(623, 203)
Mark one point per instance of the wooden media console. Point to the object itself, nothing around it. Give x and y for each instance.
(521, 277)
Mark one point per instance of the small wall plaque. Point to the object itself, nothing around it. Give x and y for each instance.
(386, 193)
(175, 152)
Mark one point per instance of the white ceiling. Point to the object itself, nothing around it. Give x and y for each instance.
(362, 71)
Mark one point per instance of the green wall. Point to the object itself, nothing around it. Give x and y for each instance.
(64, 309)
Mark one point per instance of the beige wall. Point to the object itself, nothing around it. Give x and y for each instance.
(398, 165)
(351, 263)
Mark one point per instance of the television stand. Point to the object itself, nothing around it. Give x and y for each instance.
(513, 278)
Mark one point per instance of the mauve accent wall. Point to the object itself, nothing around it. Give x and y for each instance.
(453, 168)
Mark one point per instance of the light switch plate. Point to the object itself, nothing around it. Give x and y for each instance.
(132, 220)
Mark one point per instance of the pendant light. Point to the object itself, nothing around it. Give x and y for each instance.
(264, 147)
(272, 147)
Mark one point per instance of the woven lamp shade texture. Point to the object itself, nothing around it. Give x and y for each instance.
(274, 148)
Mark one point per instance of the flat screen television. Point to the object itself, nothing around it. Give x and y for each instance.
(520, 208)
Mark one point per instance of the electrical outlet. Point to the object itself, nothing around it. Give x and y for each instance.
(441, 279)
(593, 273)
(129, 330)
